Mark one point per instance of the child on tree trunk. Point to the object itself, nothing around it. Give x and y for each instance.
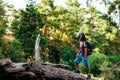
(82, 54)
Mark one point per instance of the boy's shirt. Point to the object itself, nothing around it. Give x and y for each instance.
(83, 44)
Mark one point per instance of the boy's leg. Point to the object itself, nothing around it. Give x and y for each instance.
(77, 68)
(87, 64)
(77, 61)
(88, 68)
(88, 75)
(76, 65)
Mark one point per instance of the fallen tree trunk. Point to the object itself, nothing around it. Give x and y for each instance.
(49, 73)
(36, 70)
(15, 71)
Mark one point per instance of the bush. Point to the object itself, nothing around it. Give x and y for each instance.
(67, 56)
(14, 51)
(1, 55)
(96, 60)
(110, 70)
(113, 58)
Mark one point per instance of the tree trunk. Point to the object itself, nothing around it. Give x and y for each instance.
(48, 72)
(34, 71)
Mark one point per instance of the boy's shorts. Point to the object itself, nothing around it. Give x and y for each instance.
(81, 58)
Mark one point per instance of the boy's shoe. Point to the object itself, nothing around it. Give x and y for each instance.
(88, 76)
(76, 71)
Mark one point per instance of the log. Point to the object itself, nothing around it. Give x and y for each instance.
(7, 67)
(15, 71)
(62, 66)
(35, 70)
(48, 72)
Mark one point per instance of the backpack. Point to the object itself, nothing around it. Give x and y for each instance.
(90, 48)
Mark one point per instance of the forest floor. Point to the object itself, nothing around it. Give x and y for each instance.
(95, 78)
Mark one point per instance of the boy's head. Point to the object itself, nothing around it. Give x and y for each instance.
(79, 34)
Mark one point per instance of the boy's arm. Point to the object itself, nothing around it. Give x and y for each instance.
(78, 53)
(85, 53)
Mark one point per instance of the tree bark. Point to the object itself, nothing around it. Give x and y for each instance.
(48, 72)
(35, 70)
(15, 71)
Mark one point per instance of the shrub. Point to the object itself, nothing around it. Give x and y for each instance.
(96, 60)
(14, 51)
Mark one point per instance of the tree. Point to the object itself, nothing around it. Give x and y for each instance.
(29, 24)
(3, 26)
(60, 27)
(2, 20)
(114, 12)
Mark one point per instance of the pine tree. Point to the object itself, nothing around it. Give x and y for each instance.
(28, 27)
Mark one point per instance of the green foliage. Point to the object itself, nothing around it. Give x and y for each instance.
(44, 41)
(96, 61)
(73, 3)
(110, 73)
(54, 50)
(112, 7)
(1, 55)
(2, 20)
(28, 27)
(54, 55)
(67, 56)
(14, 51)
(2, 26)
(2, 31)
(85, 28)
(114, 58)
(108, 68)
